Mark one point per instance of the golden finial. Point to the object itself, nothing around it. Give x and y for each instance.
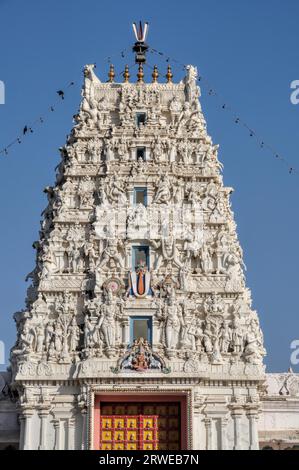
(169, 74)
(155, 74)
(140, 74)
(111, 73)
(126, 74)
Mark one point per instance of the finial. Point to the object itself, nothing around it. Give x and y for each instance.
(126, 74)
(169, 74)
(155, 74)
(140, 74)
(140, 47)
(111, 73)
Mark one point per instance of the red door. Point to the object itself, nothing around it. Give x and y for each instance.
(140, 426)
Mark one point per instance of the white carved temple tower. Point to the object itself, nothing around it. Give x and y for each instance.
(138, 331)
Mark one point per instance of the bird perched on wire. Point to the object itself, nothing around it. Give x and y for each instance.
(27, 129)
(61, 94)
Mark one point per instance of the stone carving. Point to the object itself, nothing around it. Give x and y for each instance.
(111, 254)
(174, 325)
(84, 288)
(164, 193)
(168, 252)
(141, 358)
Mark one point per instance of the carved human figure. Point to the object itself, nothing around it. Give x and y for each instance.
(107, 319)
(40, 337)
(225, 337)
(48, 262)
(253, 350)
(179, 191)
(49, 331)
(75, 259)
(175, 108)
(157, 150)
(206, 262)
(111, 253)
(73, 334)
(58, 333)
(191, 88)
(116, 191)
(169, 252)
(174, 323)
(90, 254)
(195, 334)
(163, 194)
(88, 333)
(237, 334)
(208, 337)
(28, 339)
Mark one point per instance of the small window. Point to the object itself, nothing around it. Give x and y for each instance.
(140, 327)
(140, 255)
(140, 196)
(140, 153)
(140, 119)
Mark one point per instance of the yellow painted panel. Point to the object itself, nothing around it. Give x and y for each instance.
(106, 423)
(119, 436)
(132, 423)
(132, 436)
(119, 423)
(106, 435)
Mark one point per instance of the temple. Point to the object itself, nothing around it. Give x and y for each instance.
(139, 330)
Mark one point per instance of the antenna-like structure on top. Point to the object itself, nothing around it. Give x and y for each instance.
(140, 47)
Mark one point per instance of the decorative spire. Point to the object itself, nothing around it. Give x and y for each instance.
(140, 47)
(126, 74)
(155, 74)
(111, 73)
(140, 74)
(169, 74)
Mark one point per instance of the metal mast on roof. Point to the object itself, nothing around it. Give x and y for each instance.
(140, 47)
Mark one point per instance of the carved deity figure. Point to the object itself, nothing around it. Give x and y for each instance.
(28, 339)
(225, 337)
(191, 89)
(73, 334)
(163, 194)
(115, 191)
(111, 252)
(107, 320)
(174, 323)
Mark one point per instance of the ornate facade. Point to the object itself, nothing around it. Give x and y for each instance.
(138, 295)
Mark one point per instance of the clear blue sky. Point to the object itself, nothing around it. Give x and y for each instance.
(248, 49)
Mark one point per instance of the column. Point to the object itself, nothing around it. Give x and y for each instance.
(71, 434)
(27, 415)
(223, 424)
(22, 426)
(43, 415)
(209, 433)
(156, 331)
(84, 422)
(125, 331)
(56, 423)
(237, 416)
(253, 431)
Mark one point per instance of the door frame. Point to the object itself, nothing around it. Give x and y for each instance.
(132, 394)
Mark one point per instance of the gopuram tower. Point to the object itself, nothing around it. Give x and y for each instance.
(138, 331)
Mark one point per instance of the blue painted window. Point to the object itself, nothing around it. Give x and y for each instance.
(140, 196)
(141, 327)
(140, 254)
